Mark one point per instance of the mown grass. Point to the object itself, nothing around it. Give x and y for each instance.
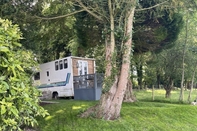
(145, 115)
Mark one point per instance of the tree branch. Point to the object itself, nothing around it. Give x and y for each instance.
(61, 16)
(151, 6)
(90, 12)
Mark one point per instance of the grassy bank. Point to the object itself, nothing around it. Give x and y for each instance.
(145, 115)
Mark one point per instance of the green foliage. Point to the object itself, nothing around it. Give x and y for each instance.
(163, 33)
(88, 31)
(19, 102)
(47, 38)
(98, 52)
(187, 40)
(156, 28)
(54, 35)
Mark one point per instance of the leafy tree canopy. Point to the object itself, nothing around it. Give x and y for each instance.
(156, 28)
(48, 38)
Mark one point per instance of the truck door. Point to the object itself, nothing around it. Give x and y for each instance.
(83, 67)
(48, 76)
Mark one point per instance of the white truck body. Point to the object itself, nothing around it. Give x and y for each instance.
(55, 78)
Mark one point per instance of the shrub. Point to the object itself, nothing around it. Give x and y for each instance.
(19, 102)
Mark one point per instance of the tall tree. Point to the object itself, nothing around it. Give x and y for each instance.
(117, 73)
(154, 30)
(181, 97)
(171, 64)
(188, 40)
(113, 92)
(121, 13)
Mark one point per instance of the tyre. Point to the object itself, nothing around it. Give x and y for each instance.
(55, 95)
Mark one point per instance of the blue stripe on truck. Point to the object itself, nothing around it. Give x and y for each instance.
(56, 84)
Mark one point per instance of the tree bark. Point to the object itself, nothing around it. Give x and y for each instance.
(110, 43)
(181, 97)
(129, 96)
(140, 75)
(111, 102)
(168, 88)
(117, 91)
(192, 84)
(158, 80)
(168, 93)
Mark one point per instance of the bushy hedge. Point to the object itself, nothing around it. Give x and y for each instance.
(19, 102)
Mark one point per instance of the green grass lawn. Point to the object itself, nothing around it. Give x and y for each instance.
(145, 115)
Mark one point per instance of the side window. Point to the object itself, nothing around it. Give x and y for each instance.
(61, 64)
(65, 63)
(37, 76)
(47, 73)
(56, 65)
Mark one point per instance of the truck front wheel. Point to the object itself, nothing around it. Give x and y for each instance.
(55, 95)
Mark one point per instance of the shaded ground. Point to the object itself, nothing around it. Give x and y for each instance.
(42, 103)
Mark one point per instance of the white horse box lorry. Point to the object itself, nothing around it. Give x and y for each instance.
(55, 78)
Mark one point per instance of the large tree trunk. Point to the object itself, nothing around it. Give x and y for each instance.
(129, 95)
(168, 93)
(120, 85)
(168, 88)
(111, 101)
